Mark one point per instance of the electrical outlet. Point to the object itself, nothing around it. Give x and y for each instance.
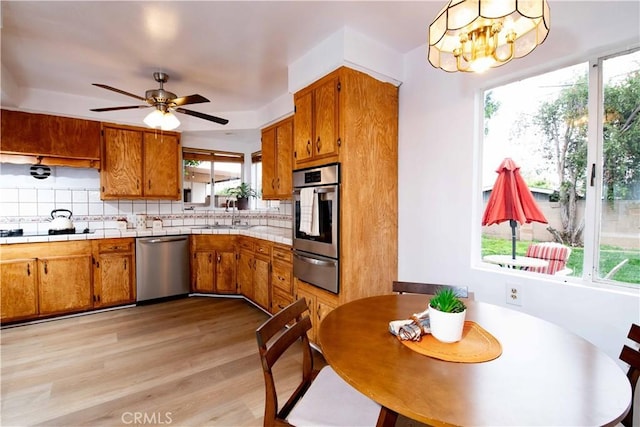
(514, 294)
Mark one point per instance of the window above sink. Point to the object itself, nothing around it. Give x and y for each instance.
(207, 174)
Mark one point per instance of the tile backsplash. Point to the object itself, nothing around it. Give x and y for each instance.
(26, 203)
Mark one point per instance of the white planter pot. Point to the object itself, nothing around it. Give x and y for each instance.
(446, 327)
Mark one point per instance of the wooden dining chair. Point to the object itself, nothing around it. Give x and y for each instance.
(427, 288)
(321, 398)
(632, 357)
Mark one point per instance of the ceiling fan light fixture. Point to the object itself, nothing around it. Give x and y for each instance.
(163, 120)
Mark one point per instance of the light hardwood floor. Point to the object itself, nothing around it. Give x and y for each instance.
(188, 362)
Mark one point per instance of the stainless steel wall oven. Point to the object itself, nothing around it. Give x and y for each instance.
(316, 196)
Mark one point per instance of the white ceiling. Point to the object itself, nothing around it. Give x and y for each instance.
(234, 53)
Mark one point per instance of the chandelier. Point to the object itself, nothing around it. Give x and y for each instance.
(475, 35)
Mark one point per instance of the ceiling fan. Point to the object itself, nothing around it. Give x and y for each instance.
(163, 100)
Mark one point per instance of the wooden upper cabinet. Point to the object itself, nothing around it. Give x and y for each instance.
(121, 172)
(161, 166)
(277, 160)
(303, 126)
(52, 140)
(139, 164)
(316, 122)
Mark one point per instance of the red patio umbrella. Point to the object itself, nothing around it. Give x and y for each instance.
(511, 200)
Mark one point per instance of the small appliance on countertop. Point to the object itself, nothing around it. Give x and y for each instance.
(61, 223)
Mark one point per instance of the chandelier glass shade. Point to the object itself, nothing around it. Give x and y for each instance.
(165, 120)
(475, 35)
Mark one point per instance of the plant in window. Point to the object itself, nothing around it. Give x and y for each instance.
(242, 193)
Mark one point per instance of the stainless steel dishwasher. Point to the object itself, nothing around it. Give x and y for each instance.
(162, 267)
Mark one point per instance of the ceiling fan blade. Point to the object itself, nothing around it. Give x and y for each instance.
(191, 99)
(203, 116)
(119, 91)
(130, 107)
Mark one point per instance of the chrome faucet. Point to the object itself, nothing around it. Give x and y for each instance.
(233, 203)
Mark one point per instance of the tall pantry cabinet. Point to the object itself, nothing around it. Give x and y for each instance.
(352, 118)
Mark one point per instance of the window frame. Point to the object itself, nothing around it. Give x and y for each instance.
(595, 158)
(213, 156)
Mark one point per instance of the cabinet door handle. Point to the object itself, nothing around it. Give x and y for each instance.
(28, 269)
(308, 146)
(219, 258)
(137, 183)
(273, 184)
(125, 264)
(46, 270)
(318, 144)
(149, 184)
(210, 258)
(278, 182)
(339, 142)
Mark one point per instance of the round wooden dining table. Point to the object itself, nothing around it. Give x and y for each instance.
(545, 376)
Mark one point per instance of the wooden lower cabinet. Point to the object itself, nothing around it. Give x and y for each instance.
(65, 284)
(213, 264)
(320, 304)
(114, 278)
(281, 277)
(254, 269)
(45, 279)
(55, 278)
(18, 289)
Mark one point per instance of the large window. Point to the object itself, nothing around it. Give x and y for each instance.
(575, 134)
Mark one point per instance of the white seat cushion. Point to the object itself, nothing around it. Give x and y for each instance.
(330, 401)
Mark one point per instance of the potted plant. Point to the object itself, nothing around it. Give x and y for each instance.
(446, 314)
(242, 193)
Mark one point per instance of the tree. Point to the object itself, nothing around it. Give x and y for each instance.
(621, 132)
(562, 124)
(491, 107)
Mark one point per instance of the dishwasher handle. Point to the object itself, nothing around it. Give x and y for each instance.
(164, 239)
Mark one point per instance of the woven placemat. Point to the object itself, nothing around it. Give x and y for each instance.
(476, 345)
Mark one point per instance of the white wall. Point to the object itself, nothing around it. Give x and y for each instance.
(440, 201)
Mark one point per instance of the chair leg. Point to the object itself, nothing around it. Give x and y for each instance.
(387, 418)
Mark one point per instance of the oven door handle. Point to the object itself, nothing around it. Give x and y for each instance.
(313, 260)
(318, 190)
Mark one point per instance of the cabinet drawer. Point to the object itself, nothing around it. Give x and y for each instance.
(281, 278)
(282, 253)
(115, 245)
(280, 301)
(246, 243)
(262, 247)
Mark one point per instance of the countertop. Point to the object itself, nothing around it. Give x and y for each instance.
(273, 234)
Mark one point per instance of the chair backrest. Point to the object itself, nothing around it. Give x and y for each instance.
(556, 253)
(427, 288)
(274, 338)
(632, 357)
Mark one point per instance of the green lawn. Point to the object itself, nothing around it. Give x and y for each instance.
(610, 256)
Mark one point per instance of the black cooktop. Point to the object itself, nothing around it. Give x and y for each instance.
(17, 232)
(11, 233)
